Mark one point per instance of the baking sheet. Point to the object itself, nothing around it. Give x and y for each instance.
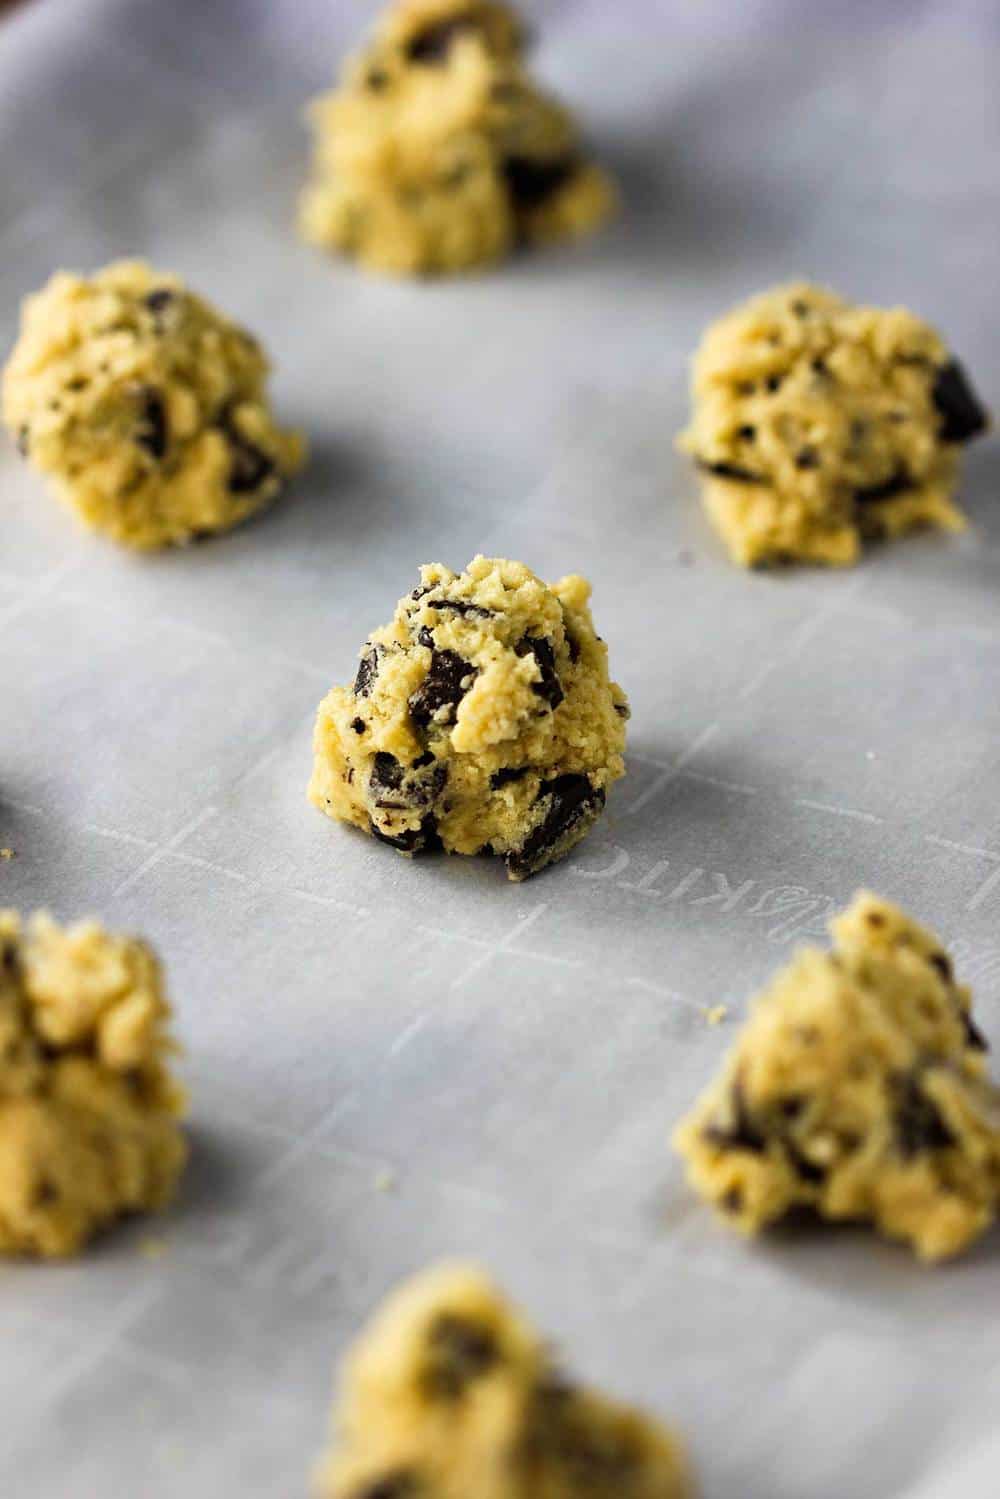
(507, 1060)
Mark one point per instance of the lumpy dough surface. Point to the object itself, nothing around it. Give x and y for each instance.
(451, 1394)
(144, 406)
(857, 1090)
(437, 153)
(89, 1114)
(817, 424)
(481, 719)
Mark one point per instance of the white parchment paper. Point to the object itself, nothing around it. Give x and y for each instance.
(391, 1062)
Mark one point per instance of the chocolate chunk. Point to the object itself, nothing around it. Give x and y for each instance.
(730, 471)
(23, 442)
(249, 466)
(530, 183)
(425, 636)
(747, 433)
(800, 308)
(897, 484)
(919, 1126)
(367, 672)
(773, 383)
(461, 606)
(974, 1037)
(806, 1170)
(459, 1352)
(572, 800)
(358, 725)
(403, 1483)
(741, 1133)
(159, 298)
(942, 962)
(151, 430)
(807, 458)
(441, 688)
(386, 774)
(506, 774)
(549, 687)
(962, 414)
(559, 1432)
(434, 44)
(413, 840)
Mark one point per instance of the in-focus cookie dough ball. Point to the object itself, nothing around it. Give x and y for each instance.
(856, 1090)
(450, 1394)
(89, 1113)
(481, 719)
(817, 424)
(437, 153)
(145, 407)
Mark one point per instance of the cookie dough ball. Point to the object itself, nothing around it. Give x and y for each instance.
(818, 424)
(145, 407)
(450, 1394)
(481, 719)
(437, 153)
(88, 1111)
(856, 1090)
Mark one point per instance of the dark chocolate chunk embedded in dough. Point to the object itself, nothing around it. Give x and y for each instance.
(963, 415)
(974, 1037)
(412, 840)
(919, 1126)
(159, 299)
(898, 483)
(461, 606)
(367, 672)
(729, 471)
(445, 685)
(434, 44)
(386, 774)
(549, 686)
(572, 800)
(507, 774)
(458, 1353)
(530, 183)
(740, 1132)
(151, 428)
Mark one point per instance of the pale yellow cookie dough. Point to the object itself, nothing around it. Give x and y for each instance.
(144, 406)
(856, 1090)
(451, 1394)
(481, 719)
(437, 153)
(817, 424)
(89, 1113)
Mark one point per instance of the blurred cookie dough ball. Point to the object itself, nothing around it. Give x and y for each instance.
(89, 1113)
(818, 424)
(144, 406)
(451, 1394)
(437, 153)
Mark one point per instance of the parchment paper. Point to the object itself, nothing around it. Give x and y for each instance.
(392, 1062)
